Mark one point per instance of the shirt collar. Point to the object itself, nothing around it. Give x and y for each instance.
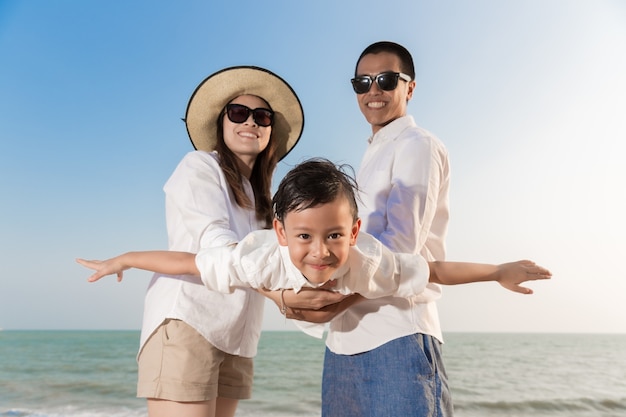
(393, 129)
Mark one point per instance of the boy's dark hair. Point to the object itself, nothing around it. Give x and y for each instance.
(406, 60)
(311, 183)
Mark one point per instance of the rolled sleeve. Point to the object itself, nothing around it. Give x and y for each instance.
(217, 269)
(376, 272)
(255, 262)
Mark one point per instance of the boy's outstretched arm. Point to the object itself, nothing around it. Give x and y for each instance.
(509, 275)
(164, 262)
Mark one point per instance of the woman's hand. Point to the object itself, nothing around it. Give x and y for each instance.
(315, 305)
(324, 314)
(307, 298)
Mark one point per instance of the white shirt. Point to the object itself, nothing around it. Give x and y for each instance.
(201, 212)
(404, 179)
(258, 261)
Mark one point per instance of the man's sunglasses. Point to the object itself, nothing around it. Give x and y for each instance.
(386, 81)
(238, 113)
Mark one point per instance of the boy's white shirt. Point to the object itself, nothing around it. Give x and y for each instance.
(258, 261)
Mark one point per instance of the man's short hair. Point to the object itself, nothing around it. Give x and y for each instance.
(406, 60)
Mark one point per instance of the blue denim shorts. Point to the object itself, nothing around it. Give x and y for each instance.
(404, 377)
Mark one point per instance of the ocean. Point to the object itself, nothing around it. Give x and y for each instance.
(92, 374)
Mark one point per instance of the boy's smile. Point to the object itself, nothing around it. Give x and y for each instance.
(319, 238)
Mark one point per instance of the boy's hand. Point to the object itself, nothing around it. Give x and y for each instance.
(514, 273)
(104, 268)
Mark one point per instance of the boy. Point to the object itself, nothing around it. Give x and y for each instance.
(316, 243)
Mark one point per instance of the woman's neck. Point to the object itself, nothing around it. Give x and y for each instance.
(245, 167)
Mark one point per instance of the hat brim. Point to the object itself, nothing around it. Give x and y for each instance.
(218, 89)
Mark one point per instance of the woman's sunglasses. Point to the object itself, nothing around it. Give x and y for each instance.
(386, 81)
(238, 113)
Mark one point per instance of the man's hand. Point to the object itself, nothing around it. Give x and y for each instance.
(324, 314)
(315, 305)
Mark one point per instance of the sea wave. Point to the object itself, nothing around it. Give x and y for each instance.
(572, 407)
(71, 411)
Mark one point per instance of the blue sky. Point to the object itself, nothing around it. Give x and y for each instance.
(528, 95)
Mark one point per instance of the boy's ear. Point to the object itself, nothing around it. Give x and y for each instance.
(355, 231)
(279, 228)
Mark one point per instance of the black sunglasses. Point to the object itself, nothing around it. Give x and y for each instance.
(386, 81)
(238, 113)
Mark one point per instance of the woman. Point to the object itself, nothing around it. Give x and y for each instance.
(196, 350)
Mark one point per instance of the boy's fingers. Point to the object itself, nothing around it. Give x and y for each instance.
(94, 277)
(86, 263)
(537, 272)
(540, 274)
(522, 290)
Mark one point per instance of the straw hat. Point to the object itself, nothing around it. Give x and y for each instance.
(218, 89)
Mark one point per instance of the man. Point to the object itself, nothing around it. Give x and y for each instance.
(404, 178)
(383, 356)
(390, 362)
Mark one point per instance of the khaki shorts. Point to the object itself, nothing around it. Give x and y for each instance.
(178, 364)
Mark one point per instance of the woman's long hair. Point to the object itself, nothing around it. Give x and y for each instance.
(260, 178)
